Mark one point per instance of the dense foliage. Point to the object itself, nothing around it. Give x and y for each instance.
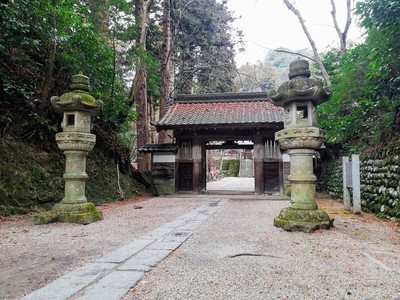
(43, 43)
(364, 110)
(204, 47)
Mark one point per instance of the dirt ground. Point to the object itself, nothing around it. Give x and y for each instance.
(32, 256)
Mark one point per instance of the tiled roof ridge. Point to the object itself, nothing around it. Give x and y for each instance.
(167, 147)
(237, 110)
(220, 97)
(168, 116)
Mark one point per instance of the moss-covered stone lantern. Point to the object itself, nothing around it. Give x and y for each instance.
(77, 107)
(300, 137)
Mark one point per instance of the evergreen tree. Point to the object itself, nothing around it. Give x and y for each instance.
(204, 47)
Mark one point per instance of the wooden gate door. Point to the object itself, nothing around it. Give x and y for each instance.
(271, 176)
(186, 177)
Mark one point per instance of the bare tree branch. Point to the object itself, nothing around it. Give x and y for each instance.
(286, 51)
(295, 53)
(318, 58)
(342, 35)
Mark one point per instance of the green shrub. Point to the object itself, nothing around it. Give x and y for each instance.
(225, 165)
(233, 170)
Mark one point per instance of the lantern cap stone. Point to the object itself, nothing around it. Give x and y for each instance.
(300, 87)
(78, 98)
(299, 68)
(80, 82)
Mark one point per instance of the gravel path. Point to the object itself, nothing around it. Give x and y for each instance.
(239, 254)
(236, 254)
(33, 255)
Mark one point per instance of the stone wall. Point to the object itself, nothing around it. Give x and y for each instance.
(380, 183)
(330, 179)
(31, 179)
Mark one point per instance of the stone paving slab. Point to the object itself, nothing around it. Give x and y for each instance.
(164, 245)
(157, 233)
(180, 235)
(145, 260)
(123, 253)
(192, 225)
(177, 222)
(112, 276)
(71, 283)
(112, 286)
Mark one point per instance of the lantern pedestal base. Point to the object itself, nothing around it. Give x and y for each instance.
(82, 213)
(305, 220)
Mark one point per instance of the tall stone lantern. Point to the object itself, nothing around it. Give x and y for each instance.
(77, 107)
(301, 137)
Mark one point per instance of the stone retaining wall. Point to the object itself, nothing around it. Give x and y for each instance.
(380, 183)
(330, 179)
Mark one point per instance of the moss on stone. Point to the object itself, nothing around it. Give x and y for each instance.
(45, 218)
(295, 225)
(287, 191)
(32, 178)
(305, 220)
(87, 99)
(29, 177)
(83, 213)
(165, 189)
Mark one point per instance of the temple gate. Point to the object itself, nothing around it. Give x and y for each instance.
(197, 120)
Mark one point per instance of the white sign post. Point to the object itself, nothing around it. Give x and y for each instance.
(351, 180)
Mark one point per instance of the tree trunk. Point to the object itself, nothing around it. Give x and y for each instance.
(165, 67)
(152, 121)
(139, 85)
(46, 84)
(140, 97)
(100, 16)
(318, 58)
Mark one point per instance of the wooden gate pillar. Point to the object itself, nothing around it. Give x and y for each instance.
(258, 164)
(197, 165)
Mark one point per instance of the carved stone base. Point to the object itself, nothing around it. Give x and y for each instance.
(305, 220)
(301, 138)
(82, 213)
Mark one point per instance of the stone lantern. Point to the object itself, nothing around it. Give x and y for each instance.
(77, 107)
(300, 137)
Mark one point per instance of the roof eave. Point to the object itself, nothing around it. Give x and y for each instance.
(160, 127)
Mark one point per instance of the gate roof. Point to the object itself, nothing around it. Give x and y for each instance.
(233, 110)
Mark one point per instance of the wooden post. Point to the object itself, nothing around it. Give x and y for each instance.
(197, 165)
(204, 166)
(177, 178)
(258, 164)
(280, 163)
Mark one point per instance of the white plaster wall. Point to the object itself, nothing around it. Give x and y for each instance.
(164, 157)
